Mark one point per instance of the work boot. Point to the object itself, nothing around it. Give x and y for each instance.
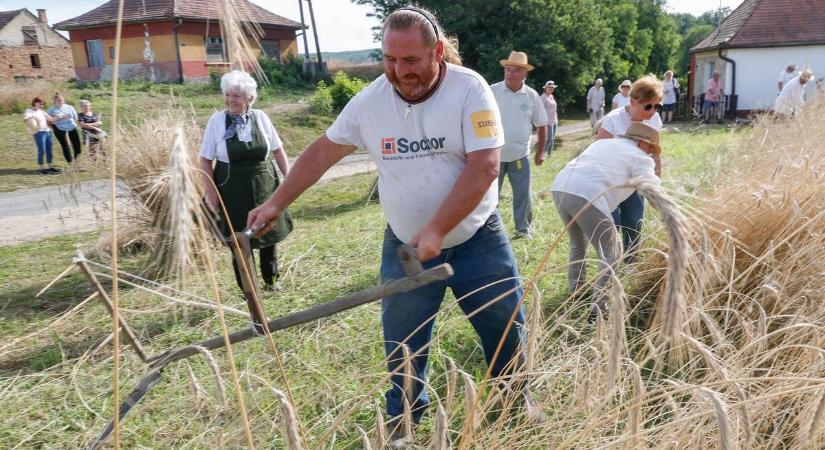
(396, 437)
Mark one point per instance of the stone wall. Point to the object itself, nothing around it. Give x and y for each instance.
(55, 63)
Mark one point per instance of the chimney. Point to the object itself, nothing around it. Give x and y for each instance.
(41, 13)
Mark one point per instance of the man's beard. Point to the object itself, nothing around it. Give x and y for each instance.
(425, 81)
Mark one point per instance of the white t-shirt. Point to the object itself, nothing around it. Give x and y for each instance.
(784, 77)
(620, 100)
(420, 150)
(40, 117)
(670, 91)
(604, 164)
(595, 98)
(214, 146)
(520, 112)
(617, 122)
(791, 98)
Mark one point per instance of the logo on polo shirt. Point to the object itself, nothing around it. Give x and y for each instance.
(392, 146)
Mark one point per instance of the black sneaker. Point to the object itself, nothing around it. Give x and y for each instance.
(44, 172)
(53, 170)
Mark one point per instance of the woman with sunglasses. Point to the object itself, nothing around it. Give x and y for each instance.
(645, 96)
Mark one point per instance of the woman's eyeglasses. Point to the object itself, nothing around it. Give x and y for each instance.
(650, 106)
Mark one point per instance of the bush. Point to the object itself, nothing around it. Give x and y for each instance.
(321, 101)
(333, 97)
(344, 88)
(286, 74)
(215, 80)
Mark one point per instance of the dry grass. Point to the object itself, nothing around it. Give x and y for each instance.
(718, 344)
(16, 97)
(366, 71)
(157, 162)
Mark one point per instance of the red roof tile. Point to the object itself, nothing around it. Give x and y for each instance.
(769, 23)
(153, 10)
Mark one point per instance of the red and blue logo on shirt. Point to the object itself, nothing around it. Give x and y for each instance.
(388, 146)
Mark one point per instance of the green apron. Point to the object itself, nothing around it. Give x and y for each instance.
(248, 181)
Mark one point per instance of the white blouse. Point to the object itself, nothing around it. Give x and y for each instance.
(214, 146)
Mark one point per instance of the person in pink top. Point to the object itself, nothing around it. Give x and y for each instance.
(713, 94)
(550, 106)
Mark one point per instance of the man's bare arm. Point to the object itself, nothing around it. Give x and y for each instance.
(542, 140)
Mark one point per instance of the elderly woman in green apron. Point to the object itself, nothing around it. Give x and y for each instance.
(241, 142)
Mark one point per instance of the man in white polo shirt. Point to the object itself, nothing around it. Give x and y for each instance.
(521, 110)
(434, 132)
(595, 102)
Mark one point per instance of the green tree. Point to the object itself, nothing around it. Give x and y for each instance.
(571, 42)
(549, 31)
(693, 29)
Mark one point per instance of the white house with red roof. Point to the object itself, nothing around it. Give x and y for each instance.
(755, 43)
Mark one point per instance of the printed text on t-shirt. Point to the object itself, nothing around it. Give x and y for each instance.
(394, 146)
(484, 123)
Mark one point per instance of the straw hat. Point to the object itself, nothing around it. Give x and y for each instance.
(517, 59)
(641, 131)
(626, 83)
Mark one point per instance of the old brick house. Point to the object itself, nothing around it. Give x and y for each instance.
(168, 40)
(30, 50)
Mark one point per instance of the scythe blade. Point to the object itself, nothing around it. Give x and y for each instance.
(140, 390)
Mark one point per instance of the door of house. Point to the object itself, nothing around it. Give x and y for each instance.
(94, 50)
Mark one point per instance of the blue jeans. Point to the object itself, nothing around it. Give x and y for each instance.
(43, 139)
(628, 218)
(485, 258)
(551, 140)
(519, 173)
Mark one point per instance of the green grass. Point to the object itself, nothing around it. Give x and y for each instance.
(573, 117)
(288, 109)
(335, 249)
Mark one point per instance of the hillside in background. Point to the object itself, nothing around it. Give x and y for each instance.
(351, 56)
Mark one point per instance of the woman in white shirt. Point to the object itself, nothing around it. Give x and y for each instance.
(37, 122)
(622, 99)
(670, 86)
(242, 142)
(585, 190)
(645, 96)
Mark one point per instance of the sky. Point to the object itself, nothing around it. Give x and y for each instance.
(342, 25)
